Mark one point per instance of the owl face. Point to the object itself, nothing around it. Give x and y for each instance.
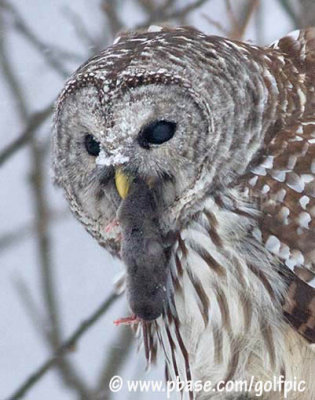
(170, 108)
(147, 132)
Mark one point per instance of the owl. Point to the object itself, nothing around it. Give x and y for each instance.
(192, 159)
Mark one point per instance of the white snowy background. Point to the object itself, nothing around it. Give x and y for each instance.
(81, 272)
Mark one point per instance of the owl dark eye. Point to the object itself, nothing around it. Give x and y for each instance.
(92, 146)
(156, 132)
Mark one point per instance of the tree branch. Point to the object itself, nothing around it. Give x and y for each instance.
(30, 306)
(115, 360)
(246, 14)
(175, 14)
(33, 123)
(27, 33)
(290, 12)
(80, 29)
(66, 347)
(69, 374)
(110, 9)
(216, 24)
(14, 237)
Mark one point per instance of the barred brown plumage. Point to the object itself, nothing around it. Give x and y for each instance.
(232, 193)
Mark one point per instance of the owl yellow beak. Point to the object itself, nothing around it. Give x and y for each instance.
(122, 182)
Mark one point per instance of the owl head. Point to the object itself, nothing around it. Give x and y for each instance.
(169, 114)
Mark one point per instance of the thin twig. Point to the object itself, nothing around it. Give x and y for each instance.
(43, 48)
(176, 14)
(26, 231)
(169, 3)
(66, 347)
(231, 16)
(43, 242)
(33, 123)
(182, 12)
(30, 306)
(216, 24)
(80, 29)
(149, 6)
(115, 359)
(11, 78)
(290, 11)
(246, 15)
(259, 24)
(110, 9)
(153, 11)
(69, 374)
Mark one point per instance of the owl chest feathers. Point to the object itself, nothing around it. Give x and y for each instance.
(224, 318)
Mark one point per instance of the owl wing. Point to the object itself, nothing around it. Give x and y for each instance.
(284, 182)
(284, 185)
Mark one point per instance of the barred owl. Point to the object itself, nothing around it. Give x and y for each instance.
(192, 159)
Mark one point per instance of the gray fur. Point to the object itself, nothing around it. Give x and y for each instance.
(143, 252)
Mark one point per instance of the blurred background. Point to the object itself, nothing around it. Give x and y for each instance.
(56, 286)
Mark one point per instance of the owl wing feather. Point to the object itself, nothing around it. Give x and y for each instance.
(284, 185)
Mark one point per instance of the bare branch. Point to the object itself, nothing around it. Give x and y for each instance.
(238, 25)
(305, 12)
(169, 3)
(115, 360)
(153, 10)
(65, 348)
(150, 6)
(182, 12)
(65, 55)
(110, 9)
(176, 14)
(43, 48)
(286, 5)
(231, 16)
(40, 324)
(30, 306)
(246, 15)
(69, 374)
(25, 231)
(80, 29)
(33, 123)
(216, 24)
(43, 241)
(259, 24)
(11, 78)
